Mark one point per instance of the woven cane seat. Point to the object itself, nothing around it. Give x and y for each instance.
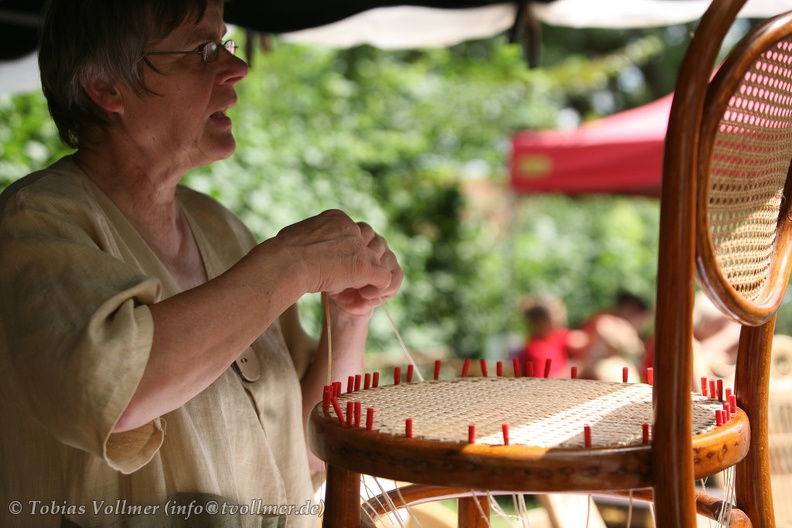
(546, 420)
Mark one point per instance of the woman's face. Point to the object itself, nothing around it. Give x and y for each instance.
(184, 118)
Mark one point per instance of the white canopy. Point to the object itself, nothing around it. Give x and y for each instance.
(409, 27)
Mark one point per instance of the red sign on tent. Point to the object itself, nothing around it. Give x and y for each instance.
(618, 154)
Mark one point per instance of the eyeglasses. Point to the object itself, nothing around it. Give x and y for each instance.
(208, 51)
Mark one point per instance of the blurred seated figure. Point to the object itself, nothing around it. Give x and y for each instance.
(610, 341)
(716, 340)
(546, 319)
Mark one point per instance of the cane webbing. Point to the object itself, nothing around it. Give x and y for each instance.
(543, 413)
(749, 167)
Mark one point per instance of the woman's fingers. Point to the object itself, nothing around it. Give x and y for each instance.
(339, 254)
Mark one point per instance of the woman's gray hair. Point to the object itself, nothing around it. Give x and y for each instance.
(82, 40)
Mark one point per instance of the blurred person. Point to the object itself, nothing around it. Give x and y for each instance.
(152, 362)
(715, 342)
(612, 340)
(548, 340)
(716, 339)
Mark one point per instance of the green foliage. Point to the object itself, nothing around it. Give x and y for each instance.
(584, 252)
(414, 143)
(28, 138)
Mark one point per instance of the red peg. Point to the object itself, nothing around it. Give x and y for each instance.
(484, 367)
(529, 369)
(465, 367)
(625, 374)
(337, 408)
(499, 368)
(548, 366)
(397, 375)
(437, 370)
(357, 382)
(410, 371)
(408, 428)
(733, 403)
(375, 380)
(650, 376)
(350, 413)
(367, 381)
(587, 435)
(704, 385)
(369, 418)
(516, 367)
(471, 434)
(505, 429)
(573, 373)
(645, 430)
(326, 395)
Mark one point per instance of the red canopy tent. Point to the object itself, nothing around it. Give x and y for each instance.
(618, 154)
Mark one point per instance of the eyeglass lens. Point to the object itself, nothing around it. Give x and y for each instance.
(211, 49)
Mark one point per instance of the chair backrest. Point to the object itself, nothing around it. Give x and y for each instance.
(744, 162)
(725, 220)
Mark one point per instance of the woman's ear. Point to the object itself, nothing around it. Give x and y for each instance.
(104, 94)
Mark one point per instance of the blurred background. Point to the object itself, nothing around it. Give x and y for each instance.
(418, 142)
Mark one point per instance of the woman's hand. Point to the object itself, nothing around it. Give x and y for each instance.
(348, 260)
(361, 301)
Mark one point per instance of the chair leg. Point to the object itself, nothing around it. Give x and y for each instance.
(342, 499)
(752, 476)
(470, 512)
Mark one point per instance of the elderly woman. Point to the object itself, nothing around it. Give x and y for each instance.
(152, 366)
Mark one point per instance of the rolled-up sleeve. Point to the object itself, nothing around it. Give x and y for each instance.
(74, 322)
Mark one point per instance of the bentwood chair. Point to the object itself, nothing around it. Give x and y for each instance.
(725, 219)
